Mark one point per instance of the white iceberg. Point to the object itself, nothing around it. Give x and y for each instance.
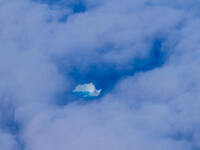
(87, 90)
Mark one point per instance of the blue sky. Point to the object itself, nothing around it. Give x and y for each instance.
(144, 55)
(77, 6)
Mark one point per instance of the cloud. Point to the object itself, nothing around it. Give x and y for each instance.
(8, 141)
(87, 90)
(144, 55)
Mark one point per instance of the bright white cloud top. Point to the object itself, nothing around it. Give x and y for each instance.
(87, 90)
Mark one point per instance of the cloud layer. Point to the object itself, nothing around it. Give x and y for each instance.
(143, 54)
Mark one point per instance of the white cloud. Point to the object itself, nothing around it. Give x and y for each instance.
(87, 89)
(146, 111)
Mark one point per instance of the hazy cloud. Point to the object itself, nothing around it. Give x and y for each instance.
(144, 55)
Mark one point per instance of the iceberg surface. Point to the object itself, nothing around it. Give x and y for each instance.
(87, 90)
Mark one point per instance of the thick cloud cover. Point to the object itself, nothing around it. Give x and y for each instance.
(144, 55)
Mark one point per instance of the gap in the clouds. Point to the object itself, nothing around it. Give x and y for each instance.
(184, 137)
(179, 136)
(77, 6)
(106, 75)
(67, 7)
(9, 124)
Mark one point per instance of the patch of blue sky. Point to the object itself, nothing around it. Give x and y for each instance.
(73, 6)
(106, 75)
(77, 6)
(10, 125)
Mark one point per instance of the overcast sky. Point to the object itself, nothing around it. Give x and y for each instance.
(143, 54)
